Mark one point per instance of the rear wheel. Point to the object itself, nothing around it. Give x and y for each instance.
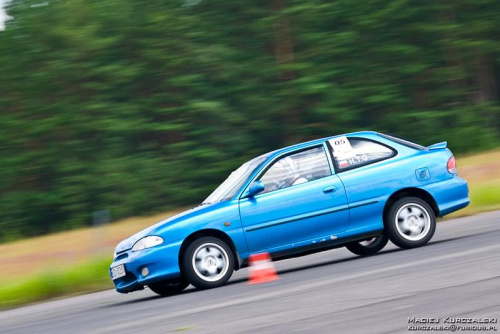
(207, 263)
(410, 222)
(368, 247)
(169, 288)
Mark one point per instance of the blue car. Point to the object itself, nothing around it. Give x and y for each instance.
(357, 190)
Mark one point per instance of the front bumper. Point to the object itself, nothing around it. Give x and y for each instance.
(162, 262)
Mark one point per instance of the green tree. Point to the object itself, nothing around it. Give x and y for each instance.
(140, 106)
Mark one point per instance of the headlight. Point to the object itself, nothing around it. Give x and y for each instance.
(147, 242)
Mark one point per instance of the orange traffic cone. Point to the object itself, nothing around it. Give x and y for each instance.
(261, 269)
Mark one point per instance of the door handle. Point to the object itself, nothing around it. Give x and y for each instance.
(329, 189)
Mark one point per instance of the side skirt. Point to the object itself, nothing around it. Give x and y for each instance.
(317, 247)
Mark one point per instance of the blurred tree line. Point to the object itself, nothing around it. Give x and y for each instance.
(140, 106)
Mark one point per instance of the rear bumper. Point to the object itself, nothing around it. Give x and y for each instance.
(162, 263)
(450, 195)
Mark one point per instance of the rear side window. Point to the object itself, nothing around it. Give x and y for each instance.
(350, 153)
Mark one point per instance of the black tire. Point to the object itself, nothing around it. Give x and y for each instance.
(410, 222)
(169, 288)
(368, 247)
(207, 263)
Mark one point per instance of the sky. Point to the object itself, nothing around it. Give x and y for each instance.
(3, 16)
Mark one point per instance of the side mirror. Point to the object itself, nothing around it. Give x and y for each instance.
(255, 188)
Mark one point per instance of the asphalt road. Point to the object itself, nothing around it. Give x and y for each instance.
(456, 275)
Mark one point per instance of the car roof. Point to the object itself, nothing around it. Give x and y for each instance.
(295, 147)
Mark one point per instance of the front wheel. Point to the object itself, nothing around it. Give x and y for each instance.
(169, 288)
(410, 222)
(208, 263)
(368, 247)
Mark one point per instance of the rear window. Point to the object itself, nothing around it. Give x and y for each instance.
(402, 142)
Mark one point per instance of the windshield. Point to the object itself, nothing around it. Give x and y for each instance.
(235, 181)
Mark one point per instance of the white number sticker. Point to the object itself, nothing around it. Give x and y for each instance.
(342, 149)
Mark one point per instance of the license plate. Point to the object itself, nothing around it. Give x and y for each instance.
(118, 271)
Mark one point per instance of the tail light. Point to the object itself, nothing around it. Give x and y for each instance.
(452, 165)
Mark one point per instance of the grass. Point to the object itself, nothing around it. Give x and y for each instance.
(77, 262)
(88, 276)
(62, 264)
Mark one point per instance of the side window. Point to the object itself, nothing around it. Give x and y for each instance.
(355, 152)
(297, 168)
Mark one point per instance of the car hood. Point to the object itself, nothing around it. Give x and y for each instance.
(129, 242)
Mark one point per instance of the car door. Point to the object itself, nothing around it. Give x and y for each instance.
(364, 166)
(302, 200)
